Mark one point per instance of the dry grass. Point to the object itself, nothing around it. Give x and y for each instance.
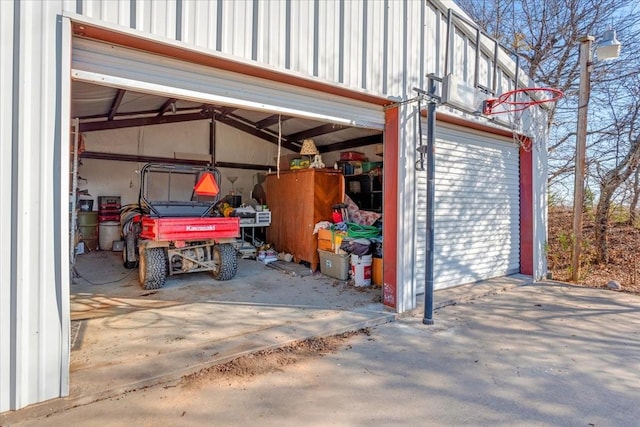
(624, 252)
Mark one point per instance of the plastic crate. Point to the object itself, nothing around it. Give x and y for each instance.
(108, 211)
(106, 218)
(109, 206)
(105, 200)
(368, 166)
(334, 265)
(263, 217)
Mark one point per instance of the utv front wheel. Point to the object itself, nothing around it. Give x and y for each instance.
(152, 267)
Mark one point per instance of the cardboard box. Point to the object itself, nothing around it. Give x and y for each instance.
(324, 234)
(325, 245)
(334, 265)
(330, 240)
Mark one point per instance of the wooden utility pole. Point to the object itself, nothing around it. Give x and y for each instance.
(581, 144)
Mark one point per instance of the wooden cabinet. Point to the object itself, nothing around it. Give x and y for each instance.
(298, 200)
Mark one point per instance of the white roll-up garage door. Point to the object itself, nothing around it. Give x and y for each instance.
(477, 206)
(124, 68)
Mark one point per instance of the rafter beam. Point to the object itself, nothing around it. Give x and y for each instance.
(319, 130)
(165, 107)
(116, 104)
(142, 121)
(270, 121)
(226, 110)
(140, 159)
(249, 127)
(148, 159)
(352, 143)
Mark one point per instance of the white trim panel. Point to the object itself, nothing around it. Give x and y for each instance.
(116, 66)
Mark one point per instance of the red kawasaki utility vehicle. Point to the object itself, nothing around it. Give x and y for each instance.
(176, 230)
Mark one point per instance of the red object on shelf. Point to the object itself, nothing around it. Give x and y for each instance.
(352, 155)
(105, 218)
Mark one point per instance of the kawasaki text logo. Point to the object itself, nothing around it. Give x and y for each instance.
(201, 227)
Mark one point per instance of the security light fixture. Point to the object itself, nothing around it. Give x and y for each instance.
(609, 47)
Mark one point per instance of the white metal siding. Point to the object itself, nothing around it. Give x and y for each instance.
(477, 207)
(34, 279)
(421, 230)
(7, 286)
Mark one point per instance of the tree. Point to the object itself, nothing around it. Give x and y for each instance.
(545, 34)
(613, 170)
(635, 191)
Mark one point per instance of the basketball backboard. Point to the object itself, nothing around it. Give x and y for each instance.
(461, 95)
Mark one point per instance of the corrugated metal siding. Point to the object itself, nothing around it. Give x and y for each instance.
(6, 209)
(197, 28)
(477, 212)
(272, 41)
(421, 230)
(301, 36)
(328, 41)
(34, 275)
(159, 17)
(406, 203)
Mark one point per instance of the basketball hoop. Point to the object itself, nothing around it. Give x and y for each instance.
(511, 103)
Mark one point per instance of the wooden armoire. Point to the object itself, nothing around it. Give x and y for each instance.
(298, 200)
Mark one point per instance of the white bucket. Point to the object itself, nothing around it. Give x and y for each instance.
(361, 269)
(108, 232)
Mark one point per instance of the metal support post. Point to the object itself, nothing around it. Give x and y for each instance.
(430, 151)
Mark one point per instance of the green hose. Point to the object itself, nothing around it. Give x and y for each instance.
(364, 231)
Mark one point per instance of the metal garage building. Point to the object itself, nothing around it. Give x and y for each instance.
(352, 63)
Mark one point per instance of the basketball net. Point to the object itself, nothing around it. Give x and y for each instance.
(518, 131)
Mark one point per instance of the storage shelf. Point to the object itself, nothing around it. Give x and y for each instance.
(365, 190)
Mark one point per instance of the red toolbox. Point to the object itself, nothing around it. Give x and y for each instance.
(352, 155)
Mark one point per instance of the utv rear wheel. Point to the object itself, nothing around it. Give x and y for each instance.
(153, 267)
(225, 263)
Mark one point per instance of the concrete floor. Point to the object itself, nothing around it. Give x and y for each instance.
(546, 354)
(101, 273)
(125, 338)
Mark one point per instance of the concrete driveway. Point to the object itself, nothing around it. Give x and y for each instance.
(544, 354)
